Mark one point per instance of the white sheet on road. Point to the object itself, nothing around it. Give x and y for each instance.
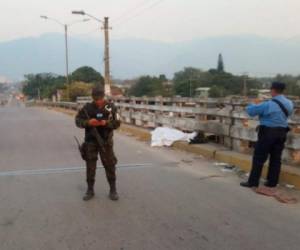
(164, 136)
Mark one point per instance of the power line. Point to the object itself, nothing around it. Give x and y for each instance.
(124, 14)
(144, 10)
(140, 12)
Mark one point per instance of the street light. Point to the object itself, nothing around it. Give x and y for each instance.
(53, 19)
(78, 12)
(106, 47)
(65, 26)
(83, 13)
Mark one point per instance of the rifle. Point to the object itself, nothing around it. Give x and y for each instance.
(96, 134)
(80, 147)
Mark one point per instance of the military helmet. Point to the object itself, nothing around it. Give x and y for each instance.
(98, 92)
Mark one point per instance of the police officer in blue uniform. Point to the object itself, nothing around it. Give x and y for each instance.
(272, 132)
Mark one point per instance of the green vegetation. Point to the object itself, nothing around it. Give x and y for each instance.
(150, 86)
(44, 85)
(292, 82)
(77, 89)
(88, 75)
(184, 83)
(216, 92)
(220, 82)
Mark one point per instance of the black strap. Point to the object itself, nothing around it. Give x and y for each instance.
(283, 108)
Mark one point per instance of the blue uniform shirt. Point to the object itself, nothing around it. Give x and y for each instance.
(269, 112)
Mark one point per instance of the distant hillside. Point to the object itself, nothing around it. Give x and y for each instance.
(134, 57)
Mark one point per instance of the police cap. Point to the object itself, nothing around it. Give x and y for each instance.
(279, 86)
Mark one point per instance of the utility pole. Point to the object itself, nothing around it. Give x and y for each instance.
(39, 94)
(107, 81)
(106, 28)
(67, 60)
(245, 90)
(65, 26)
(67, 53)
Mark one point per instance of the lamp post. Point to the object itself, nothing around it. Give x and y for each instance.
(106, 28)
(66, 27)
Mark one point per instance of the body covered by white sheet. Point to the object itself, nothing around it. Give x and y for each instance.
(164, 136)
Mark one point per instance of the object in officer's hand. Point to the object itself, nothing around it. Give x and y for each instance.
(95, 123)
(257, 101)
(102, 122)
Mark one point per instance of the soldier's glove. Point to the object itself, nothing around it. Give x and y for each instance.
(96, 123)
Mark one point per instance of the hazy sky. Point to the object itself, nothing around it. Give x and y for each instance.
(166, 20)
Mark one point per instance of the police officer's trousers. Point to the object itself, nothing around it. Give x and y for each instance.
(270, 144)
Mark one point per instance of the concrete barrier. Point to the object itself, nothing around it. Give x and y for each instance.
(226, 119)
(290, 173)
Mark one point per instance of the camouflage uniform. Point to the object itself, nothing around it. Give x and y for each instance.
(91, 148)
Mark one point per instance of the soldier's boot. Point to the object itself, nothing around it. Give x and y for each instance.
(113, 194)
(89, 193)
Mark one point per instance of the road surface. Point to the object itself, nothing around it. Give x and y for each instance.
(169, 199)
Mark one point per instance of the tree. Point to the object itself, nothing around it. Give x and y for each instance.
(44, 84)
(149, 86)
(88, 75)
(292, 83)
(77, 89)
(216, 92)
(220, 67)
(163, 78)
(187, 80)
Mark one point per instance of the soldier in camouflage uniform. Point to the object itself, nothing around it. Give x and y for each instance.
(102, 116)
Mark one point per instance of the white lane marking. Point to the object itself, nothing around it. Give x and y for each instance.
(66, 170)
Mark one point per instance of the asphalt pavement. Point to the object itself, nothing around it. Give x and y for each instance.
(168, 199)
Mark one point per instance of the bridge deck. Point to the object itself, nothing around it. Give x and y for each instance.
(169, 200)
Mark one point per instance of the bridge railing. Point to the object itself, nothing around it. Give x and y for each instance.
(225, 120)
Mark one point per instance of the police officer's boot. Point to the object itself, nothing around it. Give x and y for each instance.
(113, 194)
(89, 193)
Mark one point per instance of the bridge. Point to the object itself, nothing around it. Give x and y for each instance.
(169, 199)
(225, 120)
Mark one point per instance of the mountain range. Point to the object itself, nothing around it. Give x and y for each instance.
(259, 56)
